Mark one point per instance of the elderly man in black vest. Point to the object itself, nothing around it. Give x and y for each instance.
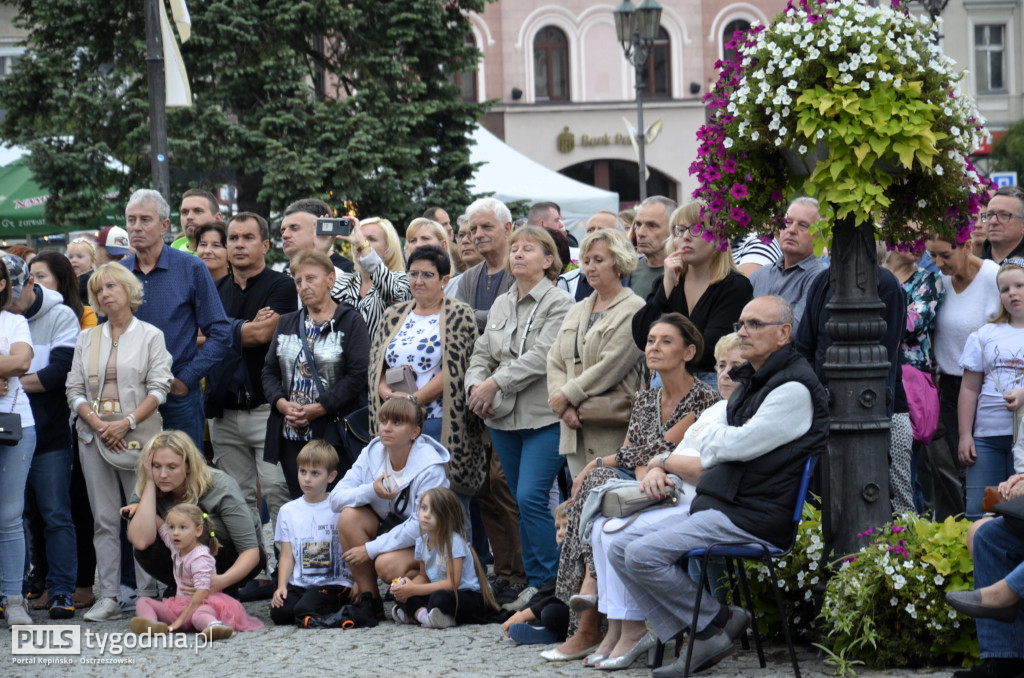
(776, 418)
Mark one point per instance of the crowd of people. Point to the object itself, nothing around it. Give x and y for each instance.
(412, 414)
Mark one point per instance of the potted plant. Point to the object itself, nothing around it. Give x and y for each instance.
(853, 104)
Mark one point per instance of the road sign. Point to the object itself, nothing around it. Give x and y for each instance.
(1004, 178)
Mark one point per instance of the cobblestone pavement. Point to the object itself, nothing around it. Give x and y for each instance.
(388, 650)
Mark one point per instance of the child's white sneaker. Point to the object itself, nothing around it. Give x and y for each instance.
(440, 620)
(399, 615)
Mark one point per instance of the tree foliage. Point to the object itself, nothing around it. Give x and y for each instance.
(345, 100)
(1008, 152)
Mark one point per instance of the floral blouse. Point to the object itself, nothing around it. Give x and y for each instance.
(924, 292)
(418, 345)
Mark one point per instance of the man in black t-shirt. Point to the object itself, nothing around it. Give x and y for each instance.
(254, 297)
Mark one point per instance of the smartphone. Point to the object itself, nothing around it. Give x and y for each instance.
(339, 226)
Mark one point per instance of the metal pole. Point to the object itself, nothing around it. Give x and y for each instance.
(157, 101)
(640, 61)
(856, 469)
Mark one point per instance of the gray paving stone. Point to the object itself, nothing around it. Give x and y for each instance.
(388, 650)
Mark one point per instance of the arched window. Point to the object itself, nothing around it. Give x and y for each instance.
(659, 67)
(727, 36)
(466, 79)
(550, 65)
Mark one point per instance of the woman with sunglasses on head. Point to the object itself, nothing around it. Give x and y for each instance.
(971, 298)
(701, 282)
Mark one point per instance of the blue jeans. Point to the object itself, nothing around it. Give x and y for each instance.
(999, 554)
(186, 413)
(432, 427)
(50, 480)
(531, 462)
(993, 465)
(15, 462)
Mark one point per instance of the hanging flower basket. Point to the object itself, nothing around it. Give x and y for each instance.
(853, 104)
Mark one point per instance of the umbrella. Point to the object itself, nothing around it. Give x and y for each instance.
(23, 203)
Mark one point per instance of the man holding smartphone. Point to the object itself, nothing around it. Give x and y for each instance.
(298, 233)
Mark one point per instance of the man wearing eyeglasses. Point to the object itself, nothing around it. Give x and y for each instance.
(1004, 218)
(751, 476)
(790, 277)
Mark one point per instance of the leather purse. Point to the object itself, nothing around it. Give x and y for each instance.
(10, 424)
(611, 409)
(128, 459)
(401, 379)
(622, 502)
(1012, 512)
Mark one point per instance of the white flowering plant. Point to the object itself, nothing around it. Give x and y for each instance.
(884, 606)
(853, 104)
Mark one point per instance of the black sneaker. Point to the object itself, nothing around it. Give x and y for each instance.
(509, 593)
(994, 667)
(372, 607)
(498, 584)
(61, 606)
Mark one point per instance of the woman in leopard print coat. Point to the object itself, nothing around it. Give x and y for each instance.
(433, 334)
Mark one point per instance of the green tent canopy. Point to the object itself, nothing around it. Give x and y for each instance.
(23, 203)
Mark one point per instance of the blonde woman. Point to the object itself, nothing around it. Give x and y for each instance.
(379, 280)
(507, 388)
(172, 471)
(701, 282)
(594, 352)
(133, 368)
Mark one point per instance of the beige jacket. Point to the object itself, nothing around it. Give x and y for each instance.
(143, 368)
(519, 366)
(609, 361)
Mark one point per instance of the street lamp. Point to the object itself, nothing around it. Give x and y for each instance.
(637, 28)
(934, 9)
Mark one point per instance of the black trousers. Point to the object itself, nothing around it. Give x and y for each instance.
(158, 562)
(465, 605)
(304, 602)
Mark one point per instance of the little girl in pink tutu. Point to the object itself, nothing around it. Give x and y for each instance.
(189, 535)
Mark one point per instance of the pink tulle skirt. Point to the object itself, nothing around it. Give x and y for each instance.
(228, 610)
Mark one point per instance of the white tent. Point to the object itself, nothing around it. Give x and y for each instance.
(513, 176)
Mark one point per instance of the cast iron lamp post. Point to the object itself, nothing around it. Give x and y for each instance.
(637, 28)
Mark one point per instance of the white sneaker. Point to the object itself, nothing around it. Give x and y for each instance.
(105, 609)
(16, 611)
(440, 620)
(522, 601)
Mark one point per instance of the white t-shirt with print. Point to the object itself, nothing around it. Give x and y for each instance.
(312, 531)
(1003, 361)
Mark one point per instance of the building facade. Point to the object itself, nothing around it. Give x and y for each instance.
(566, 95)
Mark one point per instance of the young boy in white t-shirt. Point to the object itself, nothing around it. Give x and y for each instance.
(312, 577)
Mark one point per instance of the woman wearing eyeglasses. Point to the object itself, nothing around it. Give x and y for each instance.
(701, 282)
(508, 389)
(433, 335)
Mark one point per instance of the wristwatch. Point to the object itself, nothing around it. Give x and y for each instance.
(663, 458)
(131, 421)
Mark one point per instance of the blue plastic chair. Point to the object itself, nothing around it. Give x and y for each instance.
(735, 552)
